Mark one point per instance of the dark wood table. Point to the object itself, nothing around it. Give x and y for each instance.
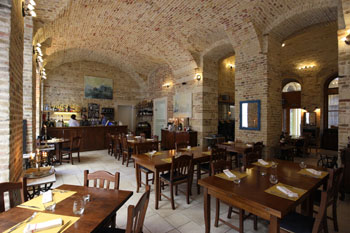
(157, 165)
(239, 148)
(250, 194)
(58, 146)
(102, 206)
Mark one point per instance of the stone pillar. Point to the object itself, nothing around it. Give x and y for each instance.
(29, 85)
(11, 85)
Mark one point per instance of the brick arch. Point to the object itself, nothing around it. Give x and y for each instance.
(59, 58)
(302, 16)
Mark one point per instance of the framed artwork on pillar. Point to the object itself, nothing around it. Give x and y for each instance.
(98, 88)
(183, 105)
(249, 116)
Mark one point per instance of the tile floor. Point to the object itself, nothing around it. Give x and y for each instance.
(186, 218)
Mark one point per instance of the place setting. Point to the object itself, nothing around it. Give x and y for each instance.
(311, 172)
(284, 190)
(263, 163)
(232, 175)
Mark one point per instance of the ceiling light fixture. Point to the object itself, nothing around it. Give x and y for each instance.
(167, 85)
(198, 77)
(283, 44)
(231, 66)
(306, 67)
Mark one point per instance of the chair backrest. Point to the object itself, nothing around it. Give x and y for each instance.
(136, 214)
(103, 177)
(218, 154)
(75, 142)
(14, 188)
(179, 145)
(144, 148)
(258, 148)
(220, 165)
(181, 167)
(125, 144)
(334, 182)
(250, 157)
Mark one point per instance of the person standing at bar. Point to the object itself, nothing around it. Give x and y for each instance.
(103, 119)
(73, 122)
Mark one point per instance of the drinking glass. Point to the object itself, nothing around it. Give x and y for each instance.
(50, 206)
(237, 181)
(262, 171)
(273, 165)
(78, 207)
(86, 198)
(273, 179)
(302, 164)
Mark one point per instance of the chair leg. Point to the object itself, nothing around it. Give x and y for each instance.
(255, 222)
(229, 212)
(78, 156)
(176, 190)
(334, 215)
(188, 192)
(113, 221)
(198, 178)
(216, 224)
(127, 160)
(146, 179)
(71, 157)
(241, 221)
(172, 196)
(153, 178)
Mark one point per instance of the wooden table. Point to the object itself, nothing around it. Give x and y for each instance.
(157, 165)
(250, 194)
(237, 147)
(58, 146)
(102, 206)
(134, 143)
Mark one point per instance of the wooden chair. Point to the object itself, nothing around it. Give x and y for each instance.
(126, 151)
(205, 168)
(14, 188)
(218, 167)
(103, 180)
(117, 147)
(181, 172)
(298, 223)
(73, 148)
(180, 145)
(141, 149)
(333, 186)
(136, 216)
(110, 142)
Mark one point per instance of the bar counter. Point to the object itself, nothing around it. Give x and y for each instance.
(93, 137)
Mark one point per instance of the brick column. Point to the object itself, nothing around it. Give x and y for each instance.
(29, 85)
(11, 85)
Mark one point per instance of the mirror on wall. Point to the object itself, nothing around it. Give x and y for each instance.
(250, 115)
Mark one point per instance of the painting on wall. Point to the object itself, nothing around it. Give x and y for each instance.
(183, 105)
(98, 88)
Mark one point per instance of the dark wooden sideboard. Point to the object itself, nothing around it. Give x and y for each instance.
(93, 137)
(170, 137)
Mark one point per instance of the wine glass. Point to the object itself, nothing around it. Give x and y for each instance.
(302, 164)
(273, 179)
(237, 181)
(273, 165)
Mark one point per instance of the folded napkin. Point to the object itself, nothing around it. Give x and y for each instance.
(152, 152)
(286, 191)
(263, 162)
(313, 171)
(229, 174)
(47, 196)
(43, 225)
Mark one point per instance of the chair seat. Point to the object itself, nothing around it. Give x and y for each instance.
(204, 166)
(297, 223)
(166, 176)
(145, 169)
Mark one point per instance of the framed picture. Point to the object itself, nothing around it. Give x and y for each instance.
(183, 105)
(98, 88)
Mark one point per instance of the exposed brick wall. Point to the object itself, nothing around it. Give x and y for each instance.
(29, 84)
(5, 18)
(16, 90)
(65, 85)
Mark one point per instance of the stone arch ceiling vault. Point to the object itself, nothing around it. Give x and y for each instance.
(140, 35)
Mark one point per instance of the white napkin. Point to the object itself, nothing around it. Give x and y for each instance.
(152, 152)
(43, 225)
(229, 174)
(47, 196)
(263, 162)
(287, 191)
(313, 171)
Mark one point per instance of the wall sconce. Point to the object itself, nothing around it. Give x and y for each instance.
(283, 44)
(346, 39)
(317, 109)
(28, 8)
(231, 66)
(306, 67)
(304, 109)
(167, 85)
(198, 77)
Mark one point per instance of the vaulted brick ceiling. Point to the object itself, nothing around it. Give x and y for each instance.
(139, 35)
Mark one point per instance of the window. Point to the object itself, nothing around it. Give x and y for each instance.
(332, 103)
(295, 122)
(291, 86)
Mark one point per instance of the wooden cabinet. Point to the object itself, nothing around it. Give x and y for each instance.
(93, 137)
(170, 137)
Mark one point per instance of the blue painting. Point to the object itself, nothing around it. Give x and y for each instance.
(98, 88)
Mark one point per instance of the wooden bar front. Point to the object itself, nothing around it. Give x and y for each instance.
(93, 137)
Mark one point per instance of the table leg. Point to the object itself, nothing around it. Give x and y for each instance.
(138, 178)
(157, 191)
(307, 207)
(206, 210)
(274, 226)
